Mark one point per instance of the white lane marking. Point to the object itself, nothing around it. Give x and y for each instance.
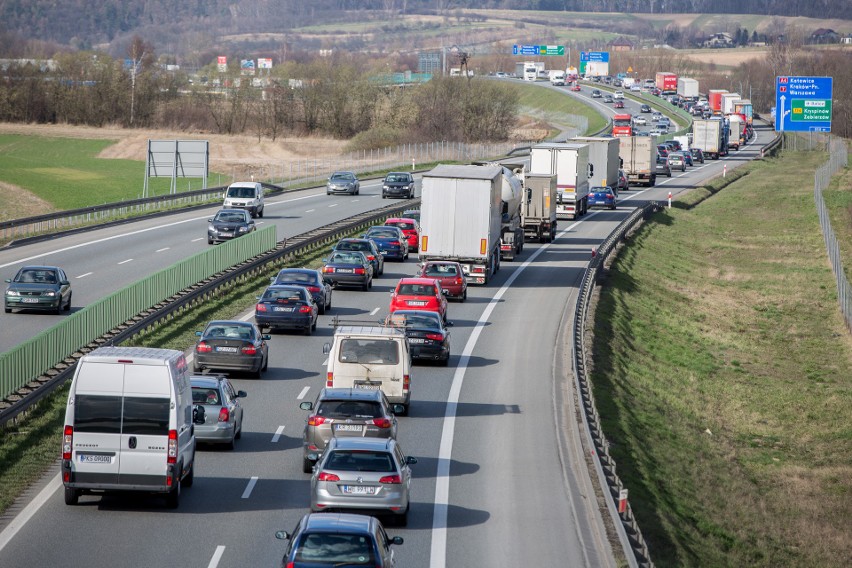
(247, 317)
(333, 205)
(86, 274)
(126, 261)
(27, 513)
(217, 556)
(278, 433)
(374, 312)
(260, 222)
(162, 249)
(303, 393)
(250, 487)
(132, 233)
(355, 200)
(310, 210)
(325, 362)
(196, 240)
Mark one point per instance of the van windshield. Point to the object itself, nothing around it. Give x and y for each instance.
(369, 351)
(241, 192)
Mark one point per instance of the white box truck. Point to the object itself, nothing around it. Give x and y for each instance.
(639, 159)
(711, 137)
(687, 87)
(570, 163)
(604, 160)
(540, 207)
(557, 78)
(460, 218)
(728, 100)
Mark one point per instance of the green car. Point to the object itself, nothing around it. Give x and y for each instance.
(41, 288)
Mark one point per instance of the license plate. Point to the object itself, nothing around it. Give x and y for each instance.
(347, 427)
(344, 270)
(416, 303)
(226, 349)
(88, 458)
(225, 233)
(372, 386)
(417, 340)
(30, 300)
(358, 489)
(384, 252)
(279, 309)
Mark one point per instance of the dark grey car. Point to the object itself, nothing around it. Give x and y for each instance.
(223, 413)
(398, 184)
(343, 182)
(232, 345)
(229, 224)
(42, 288)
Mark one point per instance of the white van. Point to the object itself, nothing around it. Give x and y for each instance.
(129, 424)
(245, 195)
(370, 357)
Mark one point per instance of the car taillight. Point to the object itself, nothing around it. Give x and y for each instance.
(291, 565)
(391, 479)
(328, 269)
(172, 447)
(67, 442)
(459, 280)
(260, 307)
(249, 350)
(323, 476)
(313, 288)
(224, 415)
(435, 336)
(203, 347)
(360, 271)
(406, 383)
(609, 196)
(371, 258)
(329, 380)
(382, 422)
(316, 420)
(305, 310)
(394, 243)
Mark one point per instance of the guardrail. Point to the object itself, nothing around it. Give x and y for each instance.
(193, 289)
(624, 521)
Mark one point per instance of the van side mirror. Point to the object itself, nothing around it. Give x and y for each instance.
(326, 348)
(409, 460)
(198, 414)
(307, 405)
(398, 409)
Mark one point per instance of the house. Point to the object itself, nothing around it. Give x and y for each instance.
(621, 44)
(824, 35)
(846, 40)
(721, 39)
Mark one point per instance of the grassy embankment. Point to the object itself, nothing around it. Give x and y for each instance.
(723, 378)
(555, 108)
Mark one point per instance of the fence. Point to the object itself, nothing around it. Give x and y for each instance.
(838, 158)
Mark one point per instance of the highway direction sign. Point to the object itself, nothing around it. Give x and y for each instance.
(596, 56)
(538, 50)
(803, 104)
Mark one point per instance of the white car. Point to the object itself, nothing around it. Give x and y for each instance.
(639, 121)
(501, 74)
(619, 95)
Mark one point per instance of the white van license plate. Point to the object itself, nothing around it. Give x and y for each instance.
(374, 387)
(88, 458)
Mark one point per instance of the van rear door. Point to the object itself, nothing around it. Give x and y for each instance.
(97, 402)
(146, 425)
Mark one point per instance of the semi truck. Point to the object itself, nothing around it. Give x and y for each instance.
(622, 125)
(511, 212)
(666, 82)
(571, 74)
(687, 87)
(714, 99)
(570, 163)
(711, 136)
(539, 207)
(461, 218)
(744, 107)
(638, 156)
(728, 100)
(736, 128)
(604, 160)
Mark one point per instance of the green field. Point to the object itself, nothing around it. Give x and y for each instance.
(555, 107)
(722, 374)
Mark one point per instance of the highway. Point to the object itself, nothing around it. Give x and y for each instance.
(501, 477)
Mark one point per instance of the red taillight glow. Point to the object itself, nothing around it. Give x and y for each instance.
(459, 281)
(203, 347)
(67, 442)
(172, 447)
(360, 271)
(313, 288)
(224, 415)
(329, 380)
(395, 243)
(391, 480)
(316, 420)
(382, 422)
(323, 476)
(478, 270)
(328, 269)
(406, 383)
(305, 310)
(435, 336)
(260, 307)
(371, 258)
(249, 350)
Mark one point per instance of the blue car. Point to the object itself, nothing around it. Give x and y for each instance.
(602, 197)
(286, 307)
(312, 280)
(369, 248)
(391, 241)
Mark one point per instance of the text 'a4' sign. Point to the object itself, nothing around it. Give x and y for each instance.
(803, 104)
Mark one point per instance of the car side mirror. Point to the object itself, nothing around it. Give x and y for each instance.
(398, 409)
(325, 260)
(326, 348)
(65, 283)
(307, 406)
(410, 460)
(266, 337)
(448, 324)
(209, 220)
(272, 279)
(242, 394)
(397, 540)
(198, 414)
(282, 535)
(224, 195)
(198, 333)
(8, 280)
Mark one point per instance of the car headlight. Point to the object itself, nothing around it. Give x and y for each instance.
(50, 293)
(243, 229)
(12, 293)
(385, 187)
(211, 228)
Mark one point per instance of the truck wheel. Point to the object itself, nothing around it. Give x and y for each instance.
(653, 181)
(71, 496)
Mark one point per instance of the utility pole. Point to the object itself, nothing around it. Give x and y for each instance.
(136, 62)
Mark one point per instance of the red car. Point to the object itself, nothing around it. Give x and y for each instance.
(409, 228)
(449, 275)
(618, 104)
(575, 87)
(419, 294)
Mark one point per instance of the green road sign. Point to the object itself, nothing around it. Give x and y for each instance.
(808, 110)
(551, 50)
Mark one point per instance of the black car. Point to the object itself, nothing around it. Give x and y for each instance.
(348, 268)
(427, 336)
(229, 224)
(398, 184)
(338, 539)
(286, 307)
(645, 108)
(312, 280)
(343, 182)
(697, 154)
(411, 214)
(231, 345)
(369, 248)
(43, 288)
(391, 241)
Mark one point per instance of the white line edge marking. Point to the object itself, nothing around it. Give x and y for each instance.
(250, 487)
(375, 311)
(84, 275)
(29, 511)
(217, 556)
(333, 205)
(196, 240)
(278, 433)
(303, 393)
(126, 261)
(310, 210)
(162, 249)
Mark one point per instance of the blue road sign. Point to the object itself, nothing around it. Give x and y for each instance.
(803, 104)
(526, 49)
(596, 56)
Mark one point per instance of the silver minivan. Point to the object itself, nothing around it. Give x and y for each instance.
(129, 424)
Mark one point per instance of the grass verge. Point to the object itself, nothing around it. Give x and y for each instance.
(838, 200)
(555, 107)
(722, 378)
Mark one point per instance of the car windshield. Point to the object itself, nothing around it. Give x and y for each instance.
(241, 192)
(349, 409)
(36, 276)
(235, 217)
(346, 258)
(440, 270)
(360, 460)
(228, 331)
(397, 178)
(295, 277)
(204, 395)
(369, 351)
(382, 233)
(336, 549)
(352, 245)
(345, 176)
(284, 296)
(416, 290)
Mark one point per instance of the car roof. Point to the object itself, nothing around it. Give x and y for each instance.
(286, 287)
(349, 394)
(240, 211)
(368, 331)
(374, 444)
(297, 271)
(230, 322)
(207, 381)
(338, 522)
(36, 267)
(422, 281)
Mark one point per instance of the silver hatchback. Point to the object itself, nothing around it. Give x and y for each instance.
(367, 475)
(223, 413)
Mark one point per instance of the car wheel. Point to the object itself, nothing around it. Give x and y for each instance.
(328, 305)
(464, 295)
(308, 329)
(365, 286)
(384, 196)
(307, 465)
(7, 310)
(257, 374)
(173, 498)
(328, 193)
(190, 477)
(401, 520)
(68, 305)
(446, 362)
(72, 496)
(265, 363)
(260, 214)
(321, 308)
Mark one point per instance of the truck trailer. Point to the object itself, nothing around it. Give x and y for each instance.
(570, 163)
(711, 136)
(604, 160)
(460, 218)
(728, 100)
(638, 156)
(687, 87)
(714, 99)
(540, 207)
(666, 82)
